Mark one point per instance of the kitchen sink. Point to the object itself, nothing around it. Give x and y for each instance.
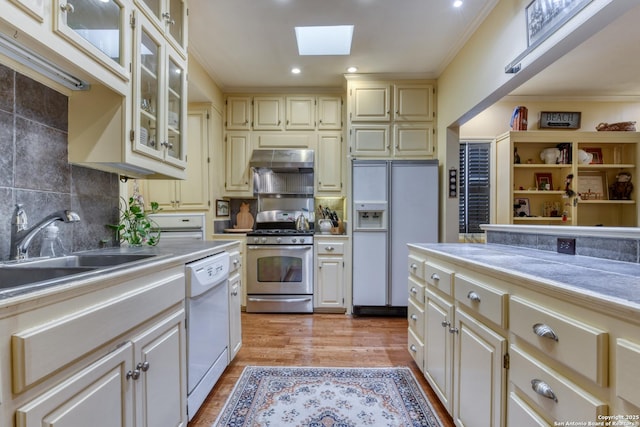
(12, 277)
(80, 260)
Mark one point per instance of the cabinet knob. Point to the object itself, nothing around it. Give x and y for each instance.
(235, 262)
(67, 8)
(445, 324)
(413, 266)
(414, 317)
(329, 248)
(414, 290)
(135, 374)
(474, 297)
(453, 330)
(434, 276)
(143, 366)
(413, 348)
(544, 331)
(234, 293)
(543, 389)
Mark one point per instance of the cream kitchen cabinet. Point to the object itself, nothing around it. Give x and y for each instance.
(237, 155)
(329, 113)
(413, 102)
(238, 112)
(370, 140)
(416, 309)
(413, 140)
(170, 17)
(99, 29)
(112, 353)
(300, 113)
(235, 300)
(268, 112)
(329, 163)
(329, 277)
(370, 102)
(192, 194)
(159, 97)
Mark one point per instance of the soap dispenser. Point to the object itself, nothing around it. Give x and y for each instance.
(51, 243)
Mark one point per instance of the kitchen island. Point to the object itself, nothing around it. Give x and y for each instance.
(102, 348)
(517, 336)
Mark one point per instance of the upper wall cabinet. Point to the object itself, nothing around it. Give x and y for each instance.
(413, 102)
(301, 113)
(238, 113)
(329, 113)
(268, 112)
(370, 102)
(170, 17)
(159, 101)
(99, 28)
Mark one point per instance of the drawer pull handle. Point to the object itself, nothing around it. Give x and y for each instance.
(445, 324)
(474, 297)
(435, 276)
(329, 248)
(543, 389)
(414, 317)
(413, 266)
(414, 290)
(544, 331)
(413, 348)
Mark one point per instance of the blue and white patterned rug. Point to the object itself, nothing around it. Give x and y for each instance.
(327, 397)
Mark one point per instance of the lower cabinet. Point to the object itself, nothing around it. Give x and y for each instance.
(140, 383)
(235, 303)
(329, 274)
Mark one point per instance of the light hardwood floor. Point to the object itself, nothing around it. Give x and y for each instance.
(316, 340)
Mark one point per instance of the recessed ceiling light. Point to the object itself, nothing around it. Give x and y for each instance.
(352, 69)
(324, 40)
(296, 70)
(457, 3)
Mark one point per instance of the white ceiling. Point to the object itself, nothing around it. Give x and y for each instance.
(250, 44)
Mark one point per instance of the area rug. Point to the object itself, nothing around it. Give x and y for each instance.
(327, 397)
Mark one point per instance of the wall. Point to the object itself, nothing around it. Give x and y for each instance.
(34, 170)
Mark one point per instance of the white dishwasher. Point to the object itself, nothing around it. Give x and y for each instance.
(207, 326)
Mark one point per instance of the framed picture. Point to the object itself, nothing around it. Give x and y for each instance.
(222, 208)
(545, 17)
(592, 185)
(521, 207)
(559, 120)
(544, 181)
(597, 155)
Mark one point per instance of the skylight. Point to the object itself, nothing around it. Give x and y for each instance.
(324, 40)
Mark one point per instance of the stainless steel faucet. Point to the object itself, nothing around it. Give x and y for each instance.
(21, 236)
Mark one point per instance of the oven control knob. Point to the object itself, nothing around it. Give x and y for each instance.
(279, 239)
(293, 240)
(256, 240)
(301, 240)
(263, 240)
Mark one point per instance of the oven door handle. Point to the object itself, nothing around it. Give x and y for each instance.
(279, 300)
(289, 248)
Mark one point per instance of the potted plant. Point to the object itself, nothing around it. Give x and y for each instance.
(135, 228)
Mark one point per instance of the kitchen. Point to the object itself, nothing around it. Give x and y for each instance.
(591, 117)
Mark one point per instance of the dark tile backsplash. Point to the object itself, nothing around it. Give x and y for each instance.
(34, 169)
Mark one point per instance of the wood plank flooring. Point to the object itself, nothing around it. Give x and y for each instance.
(316, 340)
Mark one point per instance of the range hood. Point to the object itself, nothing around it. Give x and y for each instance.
(299, 161)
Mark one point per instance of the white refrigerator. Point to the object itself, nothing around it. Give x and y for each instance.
(395, 202)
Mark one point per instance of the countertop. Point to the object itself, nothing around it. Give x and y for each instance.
(168, 254)
(611, 285)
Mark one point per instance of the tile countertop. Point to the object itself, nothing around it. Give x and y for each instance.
(168, 254)
(603, 284)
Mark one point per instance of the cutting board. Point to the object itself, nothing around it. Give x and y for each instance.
(244, 220)
(237, 230)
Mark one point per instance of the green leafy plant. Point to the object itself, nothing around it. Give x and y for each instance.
(135, 227)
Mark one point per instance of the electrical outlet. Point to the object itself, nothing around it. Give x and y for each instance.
(566, 246)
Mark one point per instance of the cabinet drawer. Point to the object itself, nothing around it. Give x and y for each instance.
(330, 248)
(628, 371)
(235, 261)
(556, 396)
(416, 266)
(416, 291)
(558, 336)
(415, 316)
(520, 414)
(439, 278)
(485, 300)
(416, 349)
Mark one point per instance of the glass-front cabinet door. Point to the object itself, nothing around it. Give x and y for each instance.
(98, 28)
(170, 17)
(159, 99)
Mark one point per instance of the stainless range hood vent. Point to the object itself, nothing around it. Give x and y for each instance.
(288, 161)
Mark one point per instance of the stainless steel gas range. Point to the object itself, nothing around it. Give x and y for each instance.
(279, 268)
